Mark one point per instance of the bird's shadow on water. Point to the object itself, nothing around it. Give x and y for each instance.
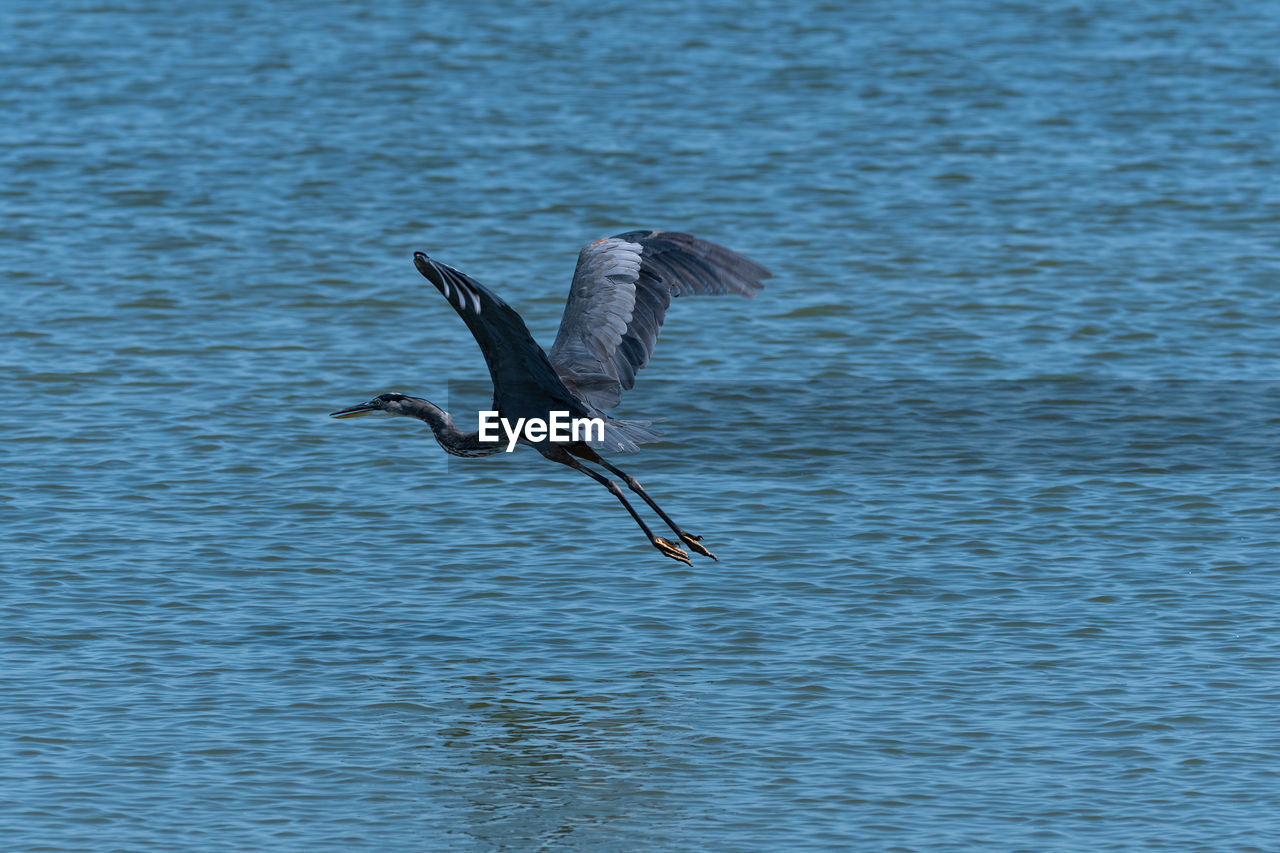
(534, 762)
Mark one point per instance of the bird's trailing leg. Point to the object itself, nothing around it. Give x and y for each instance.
(694, 542)
(666, 546)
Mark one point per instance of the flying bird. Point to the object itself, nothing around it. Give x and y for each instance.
(618, 299)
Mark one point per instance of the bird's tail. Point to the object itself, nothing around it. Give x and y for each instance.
(623, 436)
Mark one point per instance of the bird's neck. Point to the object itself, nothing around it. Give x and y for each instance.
(452, 439)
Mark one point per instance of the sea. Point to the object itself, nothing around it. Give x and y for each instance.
(991, 466)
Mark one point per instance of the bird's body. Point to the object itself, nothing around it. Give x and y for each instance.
(617, 302)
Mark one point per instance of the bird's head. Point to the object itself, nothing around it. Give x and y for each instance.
(389, 404)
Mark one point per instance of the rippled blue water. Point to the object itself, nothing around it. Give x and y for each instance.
(990, 466)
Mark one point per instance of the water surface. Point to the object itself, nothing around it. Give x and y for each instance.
(990, 465)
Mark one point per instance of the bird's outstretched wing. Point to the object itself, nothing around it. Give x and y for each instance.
(520, 369)
(619, 297)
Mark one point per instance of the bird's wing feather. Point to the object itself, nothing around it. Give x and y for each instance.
(522, 375)
(619, 297)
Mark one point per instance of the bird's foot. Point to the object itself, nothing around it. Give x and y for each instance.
(695, 545)
(671, 549)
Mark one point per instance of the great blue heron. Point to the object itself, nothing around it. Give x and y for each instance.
(617, 301)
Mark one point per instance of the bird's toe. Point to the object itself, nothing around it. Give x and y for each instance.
(672, 550)
(695, 545)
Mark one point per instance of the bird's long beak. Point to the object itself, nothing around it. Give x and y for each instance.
(354, 411)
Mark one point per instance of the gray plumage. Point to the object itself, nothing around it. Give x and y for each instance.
(618, 300)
